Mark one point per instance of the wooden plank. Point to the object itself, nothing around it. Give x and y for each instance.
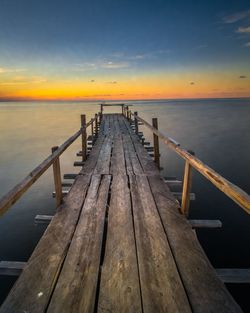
(11, 268)
(161, 286)
(205, 223)
(103, 162)
(148, 166)
(79, 163)
(90, 163)
(70, 176)
(43, 218)
(32, 291)
(117, 160)
(133, 165)
(205, 291)
(119, 288)
(76, 287)
(173, 183)
(234, 275)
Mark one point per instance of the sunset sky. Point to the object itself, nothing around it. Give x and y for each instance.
(114, 49)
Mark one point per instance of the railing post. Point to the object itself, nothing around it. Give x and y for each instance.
(127, 113)
(101, 110)
(156, 143)
(92, 130)
(136, 123)
(57, 178)
(84, 137)
(96, 124)
(122, 109)
(187, 184)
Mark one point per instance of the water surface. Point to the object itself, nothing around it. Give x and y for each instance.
(216, 130)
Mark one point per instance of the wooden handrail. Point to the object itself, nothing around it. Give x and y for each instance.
(15, 193)
(232, 191)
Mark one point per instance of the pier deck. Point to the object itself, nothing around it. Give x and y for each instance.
(118, 243)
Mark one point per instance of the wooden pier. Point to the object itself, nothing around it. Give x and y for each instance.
(119, 241)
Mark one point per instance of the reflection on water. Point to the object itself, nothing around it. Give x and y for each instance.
(217, 130)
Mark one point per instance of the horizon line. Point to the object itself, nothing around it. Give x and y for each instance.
(112, 100)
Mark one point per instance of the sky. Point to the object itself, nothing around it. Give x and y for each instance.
(124, 49)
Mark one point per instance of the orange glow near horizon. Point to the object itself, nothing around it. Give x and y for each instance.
(151, 86)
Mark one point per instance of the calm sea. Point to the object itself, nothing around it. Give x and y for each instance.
(217, 130)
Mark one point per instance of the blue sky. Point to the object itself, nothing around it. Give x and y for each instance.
(74, 39)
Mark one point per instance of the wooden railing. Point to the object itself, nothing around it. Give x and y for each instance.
(238, 195)
(14, 194)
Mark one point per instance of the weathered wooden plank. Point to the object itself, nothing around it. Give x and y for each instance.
(91, 161)
(103, 162)
(205, 223)
(149, 167)
(205, 291)
(76, 287)
(173, 183)
(161, 286)
(11, 268)
(43, 218)
(32, 291)
(234, 275)
(117, 166)
(119, 288)
(70, 176)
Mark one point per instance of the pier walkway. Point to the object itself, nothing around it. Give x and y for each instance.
(118, 242)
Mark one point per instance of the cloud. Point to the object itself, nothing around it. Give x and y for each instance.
(247, 44)
(243, 30)
(235, 17)
(11, 70)
(242, 76)
(92, 81)
(82, 67)
(113, 82)
(192, 83)
(115, 65)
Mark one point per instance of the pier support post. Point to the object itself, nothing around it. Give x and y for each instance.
(84, 137)
(92, 130)
(57, 178)
(101, 110)
(187, 184)
(96, 124)
(156, 143)
(136, 123)
(127, 112)
(122, 109)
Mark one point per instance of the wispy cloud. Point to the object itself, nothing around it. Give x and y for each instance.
(113, 82)
(243, 30)
(4, 70)
(247, 44)
(242, 76)
(115, 65)
(235, 17)
(192, 83)
(82, 67)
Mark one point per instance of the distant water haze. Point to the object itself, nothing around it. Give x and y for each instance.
(217, 130)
